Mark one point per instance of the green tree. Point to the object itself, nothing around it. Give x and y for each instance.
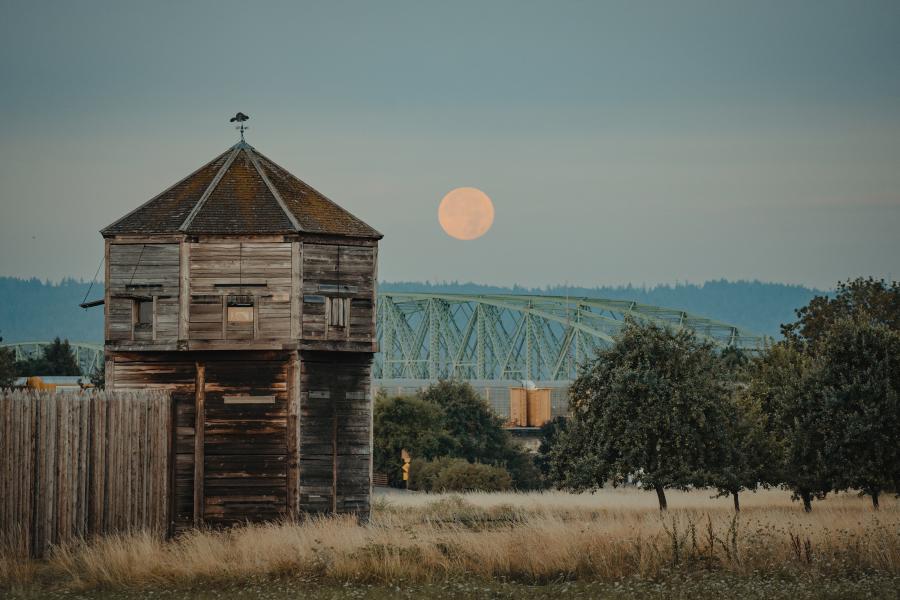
(782, 385)
(857, 374)
(551, 437)
(56, 359)
(7, 366)
(648, 408)
(876, 298)
(411, 423)
(522, 467)
(477, 433)
(748, 454)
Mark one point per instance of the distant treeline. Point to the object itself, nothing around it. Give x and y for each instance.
(36, 310)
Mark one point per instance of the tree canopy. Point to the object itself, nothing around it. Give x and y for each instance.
(57, 359)
(650, 408)
(477, 433)
(857, 374)
(411, 423)
(7, 366)
(875, 298)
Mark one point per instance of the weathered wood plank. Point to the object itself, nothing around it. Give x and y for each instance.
(199, 451)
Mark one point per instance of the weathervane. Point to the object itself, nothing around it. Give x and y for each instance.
(240, 118)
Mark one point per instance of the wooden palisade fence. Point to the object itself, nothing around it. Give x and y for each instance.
(73, 465)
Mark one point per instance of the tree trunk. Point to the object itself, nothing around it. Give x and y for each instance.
(875, 499)
(661, 494)
(737, 503)
(807, 500)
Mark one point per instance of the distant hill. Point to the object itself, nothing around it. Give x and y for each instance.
(36, 310)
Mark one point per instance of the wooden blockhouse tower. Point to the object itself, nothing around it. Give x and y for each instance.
(249, 296)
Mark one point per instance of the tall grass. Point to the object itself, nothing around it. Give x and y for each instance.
(521, 537)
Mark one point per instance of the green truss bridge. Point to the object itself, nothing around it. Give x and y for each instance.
(490, 337)
(515, 337)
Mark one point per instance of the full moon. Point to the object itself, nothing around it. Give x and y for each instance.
(466, 213)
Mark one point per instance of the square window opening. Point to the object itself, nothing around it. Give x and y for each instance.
(240, 309)
(337, 314)
(143, 314)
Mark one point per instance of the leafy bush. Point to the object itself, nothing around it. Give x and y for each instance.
(458, 475)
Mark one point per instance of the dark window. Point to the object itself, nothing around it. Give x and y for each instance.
(337, 315)
(143, 314)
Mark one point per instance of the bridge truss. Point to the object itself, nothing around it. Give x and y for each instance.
(513, 337)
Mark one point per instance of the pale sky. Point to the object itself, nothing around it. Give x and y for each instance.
(644, 142)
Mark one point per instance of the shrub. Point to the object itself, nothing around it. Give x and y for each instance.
(457, 475)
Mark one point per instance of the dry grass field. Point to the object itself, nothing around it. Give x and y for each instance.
(614, 543)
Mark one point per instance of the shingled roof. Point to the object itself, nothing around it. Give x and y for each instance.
(240, 192)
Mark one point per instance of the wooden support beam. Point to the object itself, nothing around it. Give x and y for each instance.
(199, 427)
(184, 290)
(105, 289)
(173, 465)
(296, 288)
(293, 436)
(334, 456)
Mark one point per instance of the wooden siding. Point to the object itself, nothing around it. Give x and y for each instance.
(145, 270)
(338, 270)
(262, 270)
(244, 447)
(75, 465)
(335, 433)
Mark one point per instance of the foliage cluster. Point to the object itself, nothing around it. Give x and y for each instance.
(448, 420)
(817, 412)
(7, 366)
(457, 475)
(56, 359)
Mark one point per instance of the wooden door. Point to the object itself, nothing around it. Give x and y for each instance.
(244, 441)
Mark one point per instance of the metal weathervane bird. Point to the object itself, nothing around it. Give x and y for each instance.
(240, 118)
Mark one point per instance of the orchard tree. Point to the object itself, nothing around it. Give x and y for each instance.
(649, 408)
(857, 373)
(748, 456)
(552, 465)
(876, 298)
(783, 386)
